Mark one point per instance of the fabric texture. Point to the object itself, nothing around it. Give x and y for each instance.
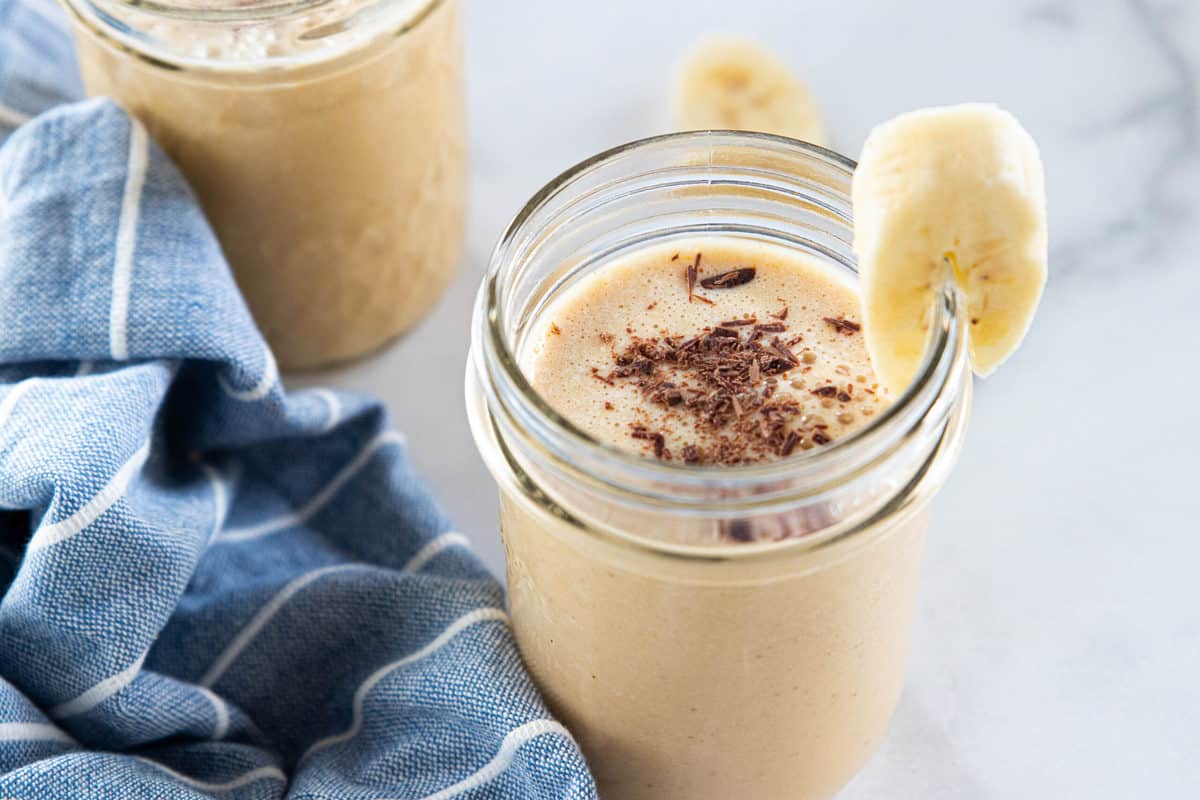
(211, 587)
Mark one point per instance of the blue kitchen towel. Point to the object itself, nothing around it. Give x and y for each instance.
(211, 587)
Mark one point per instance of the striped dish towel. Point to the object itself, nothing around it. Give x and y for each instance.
(211, 587)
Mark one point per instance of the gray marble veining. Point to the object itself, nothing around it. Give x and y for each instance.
(1057, 646)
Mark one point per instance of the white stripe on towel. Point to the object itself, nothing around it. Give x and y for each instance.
(503, 758)
(220, 709)
(62, 530)
(220, 498)
(250, 777)
(127, 230)
(360, 696)
(427, 553)
(318, 501)
(98, 693)
(32, 732)
(259, 390)
(335, 409)
(260, 620)
(85, 368)
(14, 394)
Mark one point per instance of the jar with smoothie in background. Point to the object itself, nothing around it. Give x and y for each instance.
(723, 611)
(325, 141)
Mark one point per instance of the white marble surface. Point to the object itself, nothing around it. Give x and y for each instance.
(1057, 648)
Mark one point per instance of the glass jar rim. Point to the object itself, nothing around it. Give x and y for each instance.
(232, 10)
(940, 348)
(940, 392)
(221, 10)
(106, 19)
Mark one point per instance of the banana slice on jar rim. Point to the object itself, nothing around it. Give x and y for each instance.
(725, 82)
(948, 195)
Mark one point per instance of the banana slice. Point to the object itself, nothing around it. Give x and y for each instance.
(948, 194)
(730, 83)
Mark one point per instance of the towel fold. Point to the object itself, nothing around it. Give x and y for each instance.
(211, 586)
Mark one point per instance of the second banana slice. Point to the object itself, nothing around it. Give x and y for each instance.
(730, 83)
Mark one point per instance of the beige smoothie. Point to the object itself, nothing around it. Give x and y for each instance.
(764, 678)
(713, 511)
(708, 352)
(325, 145)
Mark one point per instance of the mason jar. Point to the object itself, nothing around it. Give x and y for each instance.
(764, 669)
(324, 139)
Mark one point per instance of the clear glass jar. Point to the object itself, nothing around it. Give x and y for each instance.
(763, 670)
(326, 143)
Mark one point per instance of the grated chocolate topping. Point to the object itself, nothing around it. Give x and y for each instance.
(723, 384)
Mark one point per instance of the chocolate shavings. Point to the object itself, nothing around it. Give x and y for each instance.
(844, 326)
(730, 279)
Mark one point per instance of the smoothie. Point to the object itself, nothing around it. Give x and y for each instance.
(326, 147)
(708, 352)
(721, 353)
(713, 510)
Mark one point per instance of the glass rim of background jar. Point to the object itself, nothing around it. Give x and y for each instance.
(115, 23)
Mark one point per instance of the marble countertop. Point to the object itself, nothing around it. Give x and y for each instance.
(1057, 646)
